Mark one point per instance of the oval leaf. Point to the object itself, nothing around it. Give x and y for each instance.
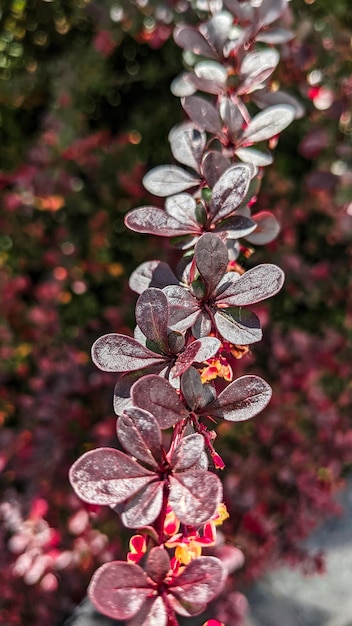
(119, 353)
(267, 228)
(211, 259)
(107, 476)
(119, 589)
(187, 453)
(201, 581)
(140, 435)
(203, 114)
(154, 221)
(258, 283)
(268, 123)
(166, 180)
(152, 274)
(152, 314)
(240, 327)
(155, 394)
(241, 400)
(143, 508)
(195, 496)
(187, 145)
(230, 190)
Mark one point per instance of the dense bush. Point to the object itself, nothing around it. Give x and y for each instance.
(80, 127)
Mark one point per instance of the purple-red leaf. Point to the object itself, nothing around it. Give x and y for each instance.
(187, 453)
(152, 274)
(203, 114)
(187, 144)
(192, 388)
(166, 180)
(119, 589)
(256, 67)
(200, 582)
(140, 435)
(119, 353)
(194, 496)
(152, 314)
(107, 476)
(197, 352)
(211, 259)
(267, 228)
(214, 164)
(190, 38)
(152, 612)
(268, 123)
(158, 564)
(183, 307)
(154, 221)
(156, 395)
(241, 400)
(240, 327)
(230, 190)
(258, 283)
(143, 508)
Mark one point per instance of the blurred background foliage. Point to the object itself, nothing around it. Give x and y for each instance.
(85, 111)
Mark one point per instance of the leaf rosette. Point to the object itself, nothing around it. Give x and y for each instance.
(125, 591)
(139, 486)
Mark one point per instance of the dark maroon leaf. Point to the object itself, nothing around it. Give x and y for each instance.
(166, 180)
(155, 394)
(190, 38)
(192, 388)
(237, 226)
(140, 435)
(152, 314)
(239, 327)
(144, 507)
(107, 476)
(230, 190)
(183, 307)
(194, 496)
(152, 274)
(241, 400)
(119, 589)
(232, 118)
(119, 353)
(214, 164)
(197, 352)
(203, 114)
(158, 564)
(202, 326)
(258, 283)
(187, 453)
(211, 259)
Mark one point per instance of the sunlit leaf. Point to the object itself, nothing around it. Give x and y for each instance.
(107, 476)
(242, 399)
(195, 496)
(166, 180)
